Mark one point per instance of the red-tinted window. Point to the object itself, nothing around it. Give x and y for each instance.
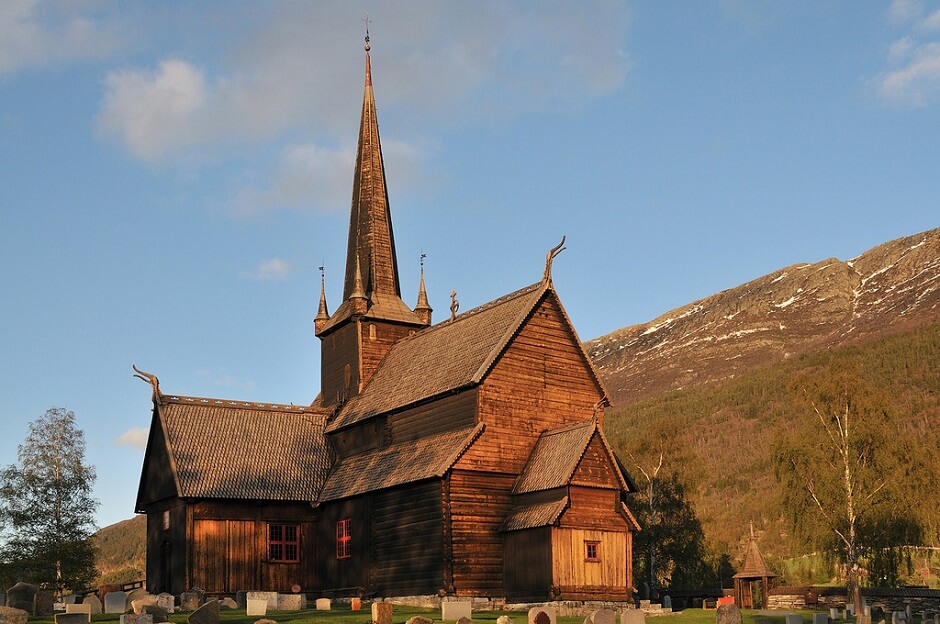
(283, 542)
(166, 520)
(592, 551)
(343, 539)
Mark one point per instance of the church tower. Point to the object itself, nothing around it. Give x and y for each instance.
(372, 316)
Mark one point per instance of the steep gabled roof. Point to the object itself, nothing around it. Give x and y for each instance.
(536, 511)
(754, 566)
(442, 358)
(407, 462)
(557, 454)
(253, 451)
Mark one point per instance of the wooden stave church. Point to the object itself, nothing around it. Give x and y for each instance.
(465, 458)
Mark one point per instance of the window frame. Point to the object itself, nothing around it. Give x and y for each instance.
(596, 546)
(344, 539)
(283, 544)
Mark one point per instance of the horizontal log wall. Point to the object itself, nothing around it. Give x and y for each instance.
(445, 414)
(407, 540)
(541, 382)
(479, 503)
(375, 339)
(594, 508)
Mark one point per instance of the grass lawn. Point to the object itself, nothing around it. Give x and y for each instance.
(343, 615)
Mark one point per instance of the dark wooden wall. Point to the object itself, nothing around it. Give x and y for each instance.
(157, 480)
(407, 540)
(479, 502)
(527, 564)
(166, 550)
(343, 577)
(445, 414)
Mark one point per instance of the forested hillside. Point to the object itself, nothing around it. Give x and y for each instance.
(718, 437)
(122, 551)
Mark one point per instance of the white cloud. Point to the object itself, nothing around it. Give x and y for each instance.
(34, 33)
(913, 74)
(271, 270)
(300, 71)
(136, 438)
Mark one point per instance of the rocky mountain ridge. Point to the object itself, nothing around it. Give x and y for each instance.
(799, 309)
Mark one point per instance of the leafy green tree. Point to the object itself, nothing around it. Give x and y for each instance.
(47, 506)
(842, 467)
(669, 551)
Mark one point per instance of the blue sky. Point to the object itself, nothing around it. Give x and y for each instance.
(172, 174)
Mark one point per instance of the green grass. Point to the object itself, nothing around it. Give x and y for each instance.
(401, 614)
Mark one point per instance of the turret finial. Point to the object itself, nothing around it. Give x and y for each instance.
(367, 21)
(423, 308)
(323, 313)
(454, 304)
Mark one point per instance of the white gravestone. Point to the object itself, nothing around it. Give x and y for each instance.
(453, 610)
(256, 607)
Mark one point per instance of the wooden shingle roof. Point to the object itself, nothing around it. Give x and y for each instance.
(536, 512)
(754, 566)
(398, 464)
(557, 454)
(445, 357)
(255, 451)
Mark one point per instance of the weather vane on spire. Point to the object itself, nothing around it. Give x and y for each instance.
(367, 21)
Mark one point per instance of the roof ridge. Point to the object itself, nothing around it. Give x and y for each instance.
(584, 423)
(271, 407)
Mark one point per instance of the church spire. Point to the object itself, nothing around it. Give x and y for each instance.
(423, 308)
(371, 240)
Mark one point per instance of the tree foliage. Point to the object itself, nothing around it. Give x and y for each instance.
(844, 469)
(670, 550)
(47, 506)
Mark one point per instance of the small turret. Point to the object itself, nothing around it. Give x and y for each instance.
(423, 308)
(357, 298)
(323, 314)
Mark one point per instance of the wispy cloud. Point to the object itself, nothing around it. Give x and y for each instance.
(35, 33)
(271, 270)
(295, 72)
(913, 74)
(136, 438)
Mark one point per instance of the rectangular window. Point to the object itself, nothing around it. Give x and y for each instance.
(343, 539)
(166, 520)
(592, 551)
(284, 543)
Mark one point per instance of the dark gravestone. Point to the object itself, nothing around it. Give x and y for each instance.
(72, 618)
(9, 615)
(419, 620)
(241, 598)
(44, 602)
(21, 596)
(728, 614)
(877, 614)
(159, 613)
(206, 614)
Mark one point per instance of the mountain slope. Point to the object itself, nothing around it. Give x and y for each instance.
(122, 551)
(800, 309)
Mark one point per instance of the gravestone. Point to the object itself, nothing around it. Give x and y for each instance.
(381, 613)
(157, 613)
(11, 615)
(601, 616)
(240, 598)
(910, 615)
(44, 602)
(793, 618)
(453, 610)
(291, 602)
(228, 603)
(464, 620)
(192, 599)
(504, 619)
(79, 608)
(632, 616)
(115, 602)
(897, 617)
(324, 604)
(265, 621)
(877, 614)
(166, 602)
(542, 615)
(820, 618)
(208, 613)
(866, 610)
(863, 619)
(94, 604)
(75, 617)
(256, 606)
(136, 594)
(268, 597)
(419, 620)
(136, 618)
(833, 613)
(137, 606)
(729, 614)
(22, 596)
(355, 604)
(71, 598)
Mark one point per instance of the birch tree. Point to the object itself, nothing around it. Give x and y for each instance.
(842, 465)
(47, 506)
